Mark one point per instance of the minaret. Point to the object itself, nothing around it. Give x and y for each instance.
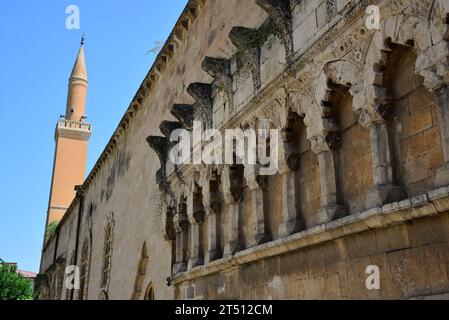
(71, 137)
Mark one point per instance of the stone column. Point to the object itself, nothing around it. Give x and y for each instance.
(195, 243)
(330, 209)
(442, 99)
(213, 246)
(196, 214)
(233, 244)
(212, 207)
(383, 191)
(169, 230)
(181, 227)
(289, 164)
(258, 186)
(233, 194)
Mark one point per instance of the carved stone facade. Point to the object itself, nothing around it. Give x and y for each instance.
(363, 165)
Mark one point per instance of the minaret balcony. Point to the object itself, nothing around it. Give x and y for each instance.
(73, 130)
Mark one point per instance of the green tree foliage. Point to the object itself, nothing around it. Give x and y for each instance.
(14, 286)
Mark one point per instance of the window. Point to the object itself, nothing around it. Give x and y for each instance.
(107, 255)
(84, 272)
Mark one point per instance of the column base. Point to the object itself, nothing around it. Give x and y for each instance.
(442, 176)
(195, 262)
(261, 239)
(290, 227)
(330, 213)
(383, 194)
(179, 267)
(232, 248)
(214, 255)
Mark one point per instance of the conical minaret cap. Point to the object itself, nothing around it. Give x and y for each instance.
(79, 69)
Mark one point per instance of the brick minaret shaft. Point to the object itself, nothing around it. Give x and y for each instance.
(71, 137)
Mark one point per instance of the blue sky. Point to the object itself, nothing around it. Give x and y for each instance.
(36, 57)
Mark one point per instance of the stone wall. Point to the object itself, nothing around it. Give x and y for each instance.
(363, 156)
(413, 262)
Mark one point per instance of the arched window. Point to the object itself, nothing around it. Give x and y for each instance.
(149, 294)
(107, 255)
(84, 272)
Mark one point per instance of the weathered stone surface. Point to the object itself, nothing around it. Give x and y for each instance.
(167, 127)
(185, 114)
(358, 174)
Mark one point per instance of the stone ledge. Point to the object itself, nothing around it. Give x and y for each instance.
(428, 204)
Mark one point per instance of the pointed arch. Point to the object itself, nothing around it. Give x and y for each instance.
(149, 292)
(141, 272)
(406, 26)
(422, 63)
